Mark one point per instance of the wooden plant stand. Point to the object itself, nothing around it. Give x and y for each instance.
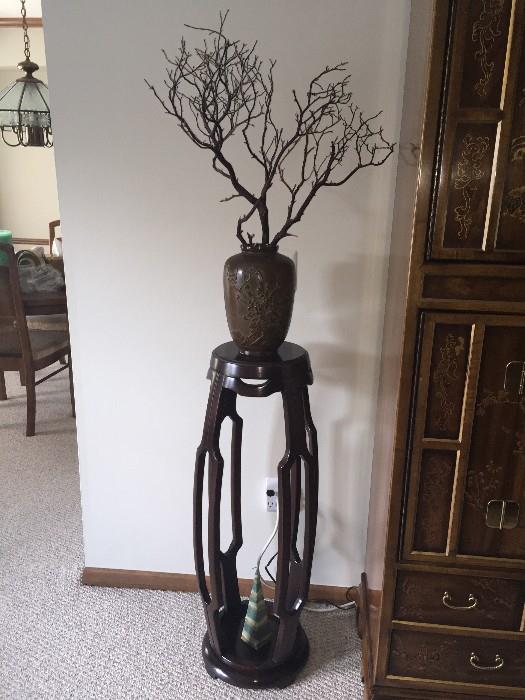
(225, 655)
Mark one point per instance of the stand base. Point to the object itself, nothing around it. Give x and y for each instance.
(245, 668)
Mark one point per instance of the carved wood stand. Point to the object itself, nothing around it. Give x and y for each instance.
(225, 655)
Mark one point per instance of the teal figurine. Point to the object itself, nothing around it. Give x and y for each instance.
(256, 631)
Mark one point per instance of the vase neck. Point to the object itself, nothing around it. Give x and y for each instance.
(259, 249)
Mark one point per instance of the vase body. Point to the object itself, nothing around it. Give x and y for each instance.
(259, 290)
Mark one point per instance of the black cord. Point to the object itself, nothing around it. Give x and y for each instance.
(348, 594)
(345, 606)
(268, 564)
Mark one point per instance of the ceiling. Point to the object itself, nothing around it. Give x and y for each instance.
(11, 8)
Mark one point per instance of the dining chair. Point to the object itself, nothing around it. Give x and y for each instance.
(53, 225)
(44, 322)
(23, 350)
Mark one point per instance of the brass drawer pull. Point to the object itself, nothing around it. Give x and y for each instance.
(472, 602)
(498, 663)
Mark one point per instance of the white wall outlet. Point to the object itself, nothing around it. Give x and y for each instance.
(271, 493)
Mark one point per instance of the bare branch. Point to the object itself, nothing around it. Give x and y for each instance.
(222, 89)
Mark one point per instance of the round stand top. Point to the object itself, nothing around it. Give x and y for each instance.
(290, 364)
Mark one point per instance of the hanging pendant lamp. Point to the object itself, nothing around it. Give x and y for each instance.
(24, 105)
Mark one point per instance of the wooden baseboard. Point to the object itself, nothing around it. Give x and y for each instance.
(160, 581)
(363, 628)
(30, 241)
(7, 22)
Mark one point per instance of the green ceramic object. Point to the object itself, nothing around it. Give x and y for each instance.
(256, 631)
(5, 237)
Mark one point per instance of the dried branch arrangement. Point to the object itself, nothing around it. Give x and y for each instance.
(223, 89)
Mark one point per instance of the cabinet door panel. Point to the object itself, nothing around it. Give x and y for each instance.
(437, 431)
(470, 179)
(496, 470)
(438, 468)
(467, 454)
(485, 38)
(478, 209)
(448, 370)
(511, 229)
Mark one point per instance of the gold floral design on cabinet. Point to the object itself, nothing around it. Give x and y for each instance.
(485, 31)
(438, 468)
(514, 204)
(469, 173)
(482, 485)
(514, 200)
(447, 375)
(498, 398)
(423, 657)
(517, 148)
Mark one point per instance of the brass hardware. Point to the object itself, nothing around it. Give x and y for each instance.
(498, 663)
(472, 602)
(515, 377)
(502, 515)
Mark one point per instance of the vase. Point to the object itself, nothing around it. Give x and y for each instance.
(259, 289)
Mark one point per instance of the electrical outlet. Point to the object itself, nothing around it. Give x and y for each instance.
(271, 494)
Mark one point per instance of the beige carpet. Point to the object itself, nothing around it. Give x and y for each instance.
(61, 640)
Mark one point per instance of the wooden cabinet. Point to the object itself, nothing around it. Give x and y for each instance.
(467, 461)
(466, 658)
(442, 605)
(478, 210)
(465, 599)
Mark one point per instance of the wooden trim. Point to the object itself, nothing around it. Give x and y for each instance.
(187, 583)
(457, 631)
(393, 693)
(467, 423)
(454, 568)
(7, 22)
(448, 689)
(404, 383)
(32, 241)
(363, 628)
(421, 399)
(503, 143)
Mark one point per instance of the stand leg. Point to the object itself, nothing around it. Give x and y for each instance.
(293, 574)
(229, 558)
(222, 598)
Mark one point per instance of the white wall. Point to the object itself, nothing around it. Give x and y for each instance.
(28, 189)
(12, 46)
(145, 243)
(10, 8)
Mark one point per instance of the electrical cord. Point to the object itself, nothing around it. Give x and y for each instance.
(269, 541)
(329, 605)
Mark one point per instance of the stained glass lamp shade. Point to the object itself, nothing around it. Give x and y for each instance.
(25, 119)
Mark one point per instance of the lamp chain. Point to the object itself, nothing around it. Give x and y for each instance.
(24, 27)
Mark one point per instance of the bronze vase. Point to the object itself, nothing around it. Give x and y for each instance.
(259, 289)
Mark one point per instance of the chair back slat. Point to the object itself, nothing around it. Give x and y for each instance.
(14, 336)
(7, 307)
(53, 225)
(9, 340)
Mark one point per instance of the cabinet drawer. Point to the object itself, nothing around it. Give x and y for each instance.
(472, 601)
(459, 659)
